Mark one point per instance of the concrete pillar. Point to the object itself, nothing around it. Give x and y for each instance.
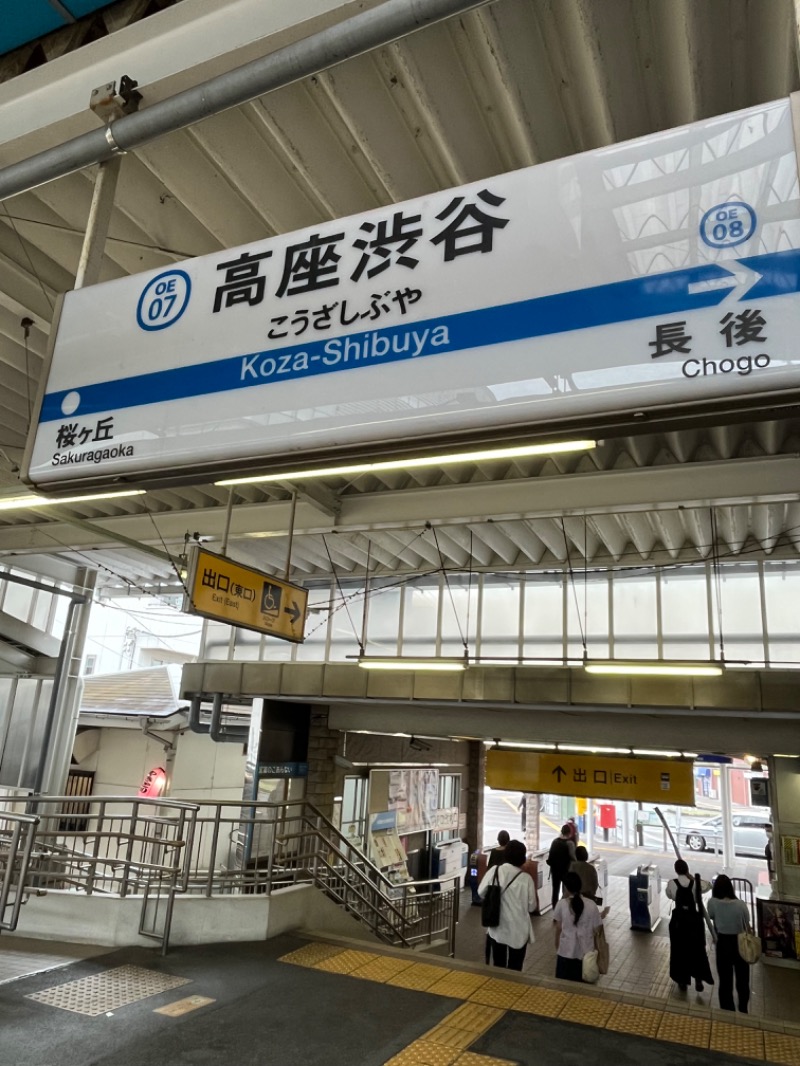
(324, 777)
(476, 764)
(533, 806)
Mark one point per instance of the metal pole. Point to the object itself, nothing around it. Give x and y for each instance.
(223, 549)
(94, 241)
(291, 536)
(727, 830)
(355, 36)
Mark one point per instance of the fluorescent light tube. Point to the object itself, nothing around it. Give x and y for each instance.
(661, 669)
(16, 503)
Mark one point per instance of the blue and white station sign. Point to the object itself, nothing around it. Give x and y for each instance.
(652, 274)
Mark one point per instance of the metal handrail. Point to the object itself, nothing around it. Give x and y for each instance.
(17, 862)
(158, 848)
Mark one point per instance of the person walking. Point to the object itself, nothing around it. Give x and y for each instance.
(497, 854)
(587, 873)
(730, 916)
(559, 857)
(687, 935)
(509, 939)
(575, 919)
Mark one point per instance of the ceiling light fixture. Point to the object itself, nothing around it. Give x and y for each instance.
(478, 456)
(31, 500)
(397, 663)
(594, 750)
(652, 669)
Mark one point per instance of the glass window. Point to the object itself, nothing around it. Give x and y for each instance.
(383, 618)
(782, 594)
(499, 623)
(587, 615)
(421, 613)
(459, 613)
(684, 612)
(737, 614)
(316, 634)
(542, 626)
(635, 626)
(346, 621)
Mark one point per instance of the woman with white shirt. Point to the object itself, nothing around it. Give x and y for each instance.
(509, 939)
(576, 919)
(730, 917)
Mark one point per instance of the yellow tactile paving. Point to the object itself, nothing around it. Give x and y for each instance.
(418, 976)
(345, 961)
(545, 1001)
(476, 1017)
(683, 1029)
(458, 985)
(472, 1058)
(310, 954)
(737, 1040)
(464, 1025)
(422, 1053)
(497, 993)
(450, 1036)
(779, 1047)
(381, 968)
(629, 1018)
(587, 1011)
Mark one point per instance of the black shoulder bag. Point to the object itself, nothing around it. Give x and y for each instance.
(490, 907)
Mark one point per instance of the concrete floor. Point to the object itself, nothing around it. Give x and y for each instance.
(337, 1003)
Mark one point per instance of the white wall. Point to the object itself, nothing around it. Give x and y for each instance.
(140, 631)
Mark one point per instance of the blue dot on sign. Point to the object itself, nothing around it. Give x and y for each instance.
(728, 224)
(163, 300)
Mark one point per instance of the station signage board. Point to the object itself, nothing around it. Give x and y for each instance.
(643, 276)
(593, 776)
(226, 591)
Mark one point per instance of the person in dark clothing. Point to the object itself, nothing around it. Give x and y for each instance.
(687, 934)
(498, 855)
(561, 854)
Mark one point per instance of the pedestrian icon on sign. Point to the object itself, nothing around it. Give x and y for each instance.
(271, 598)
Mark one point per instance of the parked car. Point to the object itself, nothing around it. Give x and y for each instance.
(749, 835)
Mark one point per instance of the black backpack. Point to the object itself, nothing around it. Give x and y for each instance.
(490, 907)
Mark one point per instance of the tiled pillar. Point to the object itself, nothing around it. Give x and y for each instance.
(474, 797)
(324, 777)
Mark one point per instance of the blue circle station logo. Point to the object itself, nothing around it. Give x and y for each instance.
(163, 300)
(728, 224)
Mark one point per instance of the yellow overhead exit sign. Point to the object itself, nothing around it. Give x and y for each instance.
(226, 591)
(596, 776)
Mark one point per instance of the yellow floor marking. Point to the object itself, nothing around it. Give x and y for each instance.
(418, 976)
(344, 961)
(463, 1026)
(684, 1029)
(422, 1053)
(629, 1018)
(737, 1040)
(310, 954)
(184, 1006)
(545, 1001)
(587, 1011)
(458, 985)
(778, 1047)
(381, 968)
(497, 993)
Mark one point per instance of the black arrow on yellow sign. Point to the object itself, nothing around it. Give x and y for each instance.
(294, 612)
(559, 770)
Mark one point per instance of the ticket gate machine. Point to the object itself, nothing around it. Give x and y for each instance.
(644, 891)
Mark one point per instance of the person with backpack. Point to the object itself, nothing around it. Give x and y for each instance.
(559, 858)
(687, 934)
(511, 930)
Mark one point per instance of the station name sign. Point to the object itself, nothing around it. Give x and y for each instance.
(592, 776)
(629, 278)
(226, 591)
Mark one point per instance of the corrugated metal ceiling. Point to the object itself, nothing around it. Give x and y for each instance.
(515, 83)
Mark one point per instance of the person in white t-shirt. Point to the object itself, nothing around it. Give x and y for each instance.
(575, 919)
(510, 938)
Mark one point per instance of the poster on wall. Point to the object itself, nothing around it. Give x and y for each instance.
(779, 926)
(414, 797)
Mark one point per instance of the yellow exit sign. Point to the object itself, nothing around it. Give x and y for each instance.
(595, 776)
(227, 591)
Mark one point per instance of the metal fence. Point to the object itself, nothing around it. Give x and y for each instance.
(156, 849)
